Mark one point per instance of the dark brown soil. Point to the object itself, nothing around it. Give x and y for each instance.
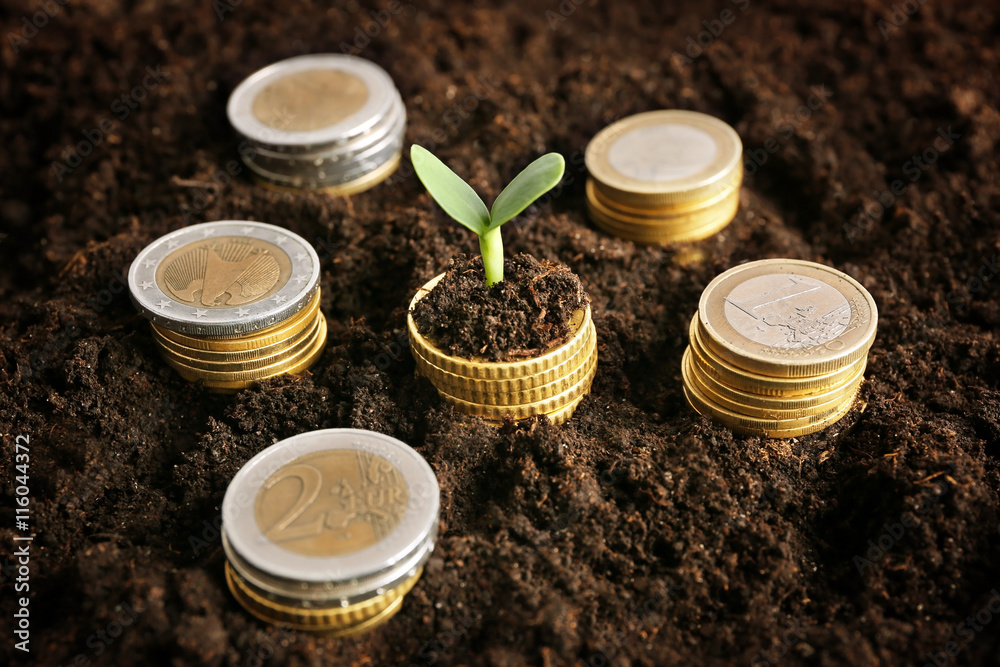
(636, 534)
(524, 315)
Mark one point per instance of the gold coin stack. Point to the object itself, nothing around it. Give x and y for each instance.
(231, 363)
(664, 177)
(778, 348)
(551, 384)
(231, 302)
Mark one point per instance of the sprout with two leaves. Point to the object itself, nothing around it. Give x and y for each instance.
(461, 202)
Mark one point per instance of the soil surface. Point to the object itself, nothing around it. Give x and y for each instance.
(522, 316)
(638, 533)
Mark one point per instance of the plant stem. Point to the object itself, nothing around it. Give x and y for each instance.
(491, 246)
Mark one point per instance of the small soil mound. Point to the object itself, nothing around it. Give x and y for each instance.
(524, 315)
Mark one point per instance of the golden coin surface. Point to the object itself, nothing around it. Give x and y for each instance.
(310, 99)
(302, 341)
(275, 334)
(730, 400)
(765, 385)
(713, 222)
(773, 428)
(525, 410)
(304, 357)
(513, 398)
(665, 157)
(328, 530)
(751, 401)
(331, 503)
(787, 318)
(464, 387)
(693, 211)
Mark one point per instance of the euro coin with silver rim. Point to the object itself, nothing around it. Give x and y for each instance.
(787, 318)
(327, 531)
(328, 122)
(231, 302)
(664, 176)
(779, 347)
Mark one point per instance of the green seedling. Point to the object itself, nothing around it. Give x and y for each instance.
(461, 202)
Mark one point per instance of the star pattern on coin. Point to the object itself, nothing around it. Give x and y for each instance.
(163, 304)
(200, 313)
(146, 284)
(150, 263)
(172, 243)
(242, 312)
(277, 298)
(208, 232)
(246, 231)
(300, 279)
(301, 257)
(280, 240)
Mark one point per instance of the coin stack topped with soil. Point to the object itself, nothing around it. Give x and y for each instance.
(664, 176)
(778, 347)
(524, 347)
(231, 302)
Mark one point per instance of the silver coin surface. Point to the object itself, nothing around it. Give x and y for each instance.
(332, 513)
(787, 317)
(224, 278)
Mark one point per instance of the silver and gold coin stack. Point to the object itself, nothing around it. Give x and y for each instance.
(664, 177)
(231, 302)
(551, 384)
(778, 347)
(327, 531)
(326, 122)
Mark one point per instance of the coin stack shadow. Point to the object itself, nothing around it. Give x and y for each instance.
(552, 384)
(231, 363)
(754, 404)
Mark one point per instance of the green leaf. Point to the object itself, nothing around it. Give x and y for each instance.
(537, 178)
(454, 195)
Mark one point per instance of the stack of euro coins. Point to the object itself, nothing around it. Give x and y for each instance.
(328, 531)
(551, 384)
(327, 122)
(231, 302)
(665, 176)
(778, 347)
